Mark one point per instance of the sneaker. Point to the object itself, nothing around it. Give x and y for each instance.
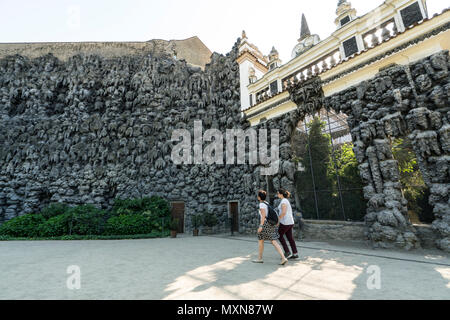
(283, 262)
(293, 257)
(257, 261)
(288, 256)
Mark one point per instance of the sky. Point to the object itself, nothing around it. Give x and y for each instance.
(217, 23)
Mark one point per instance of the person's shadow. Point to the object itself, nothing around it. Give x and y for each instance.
(318, 274)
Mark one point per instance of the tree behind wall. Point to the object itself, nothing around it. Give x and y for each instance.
(326, 172)
(413, 186)
(316, 160)
(350, 181)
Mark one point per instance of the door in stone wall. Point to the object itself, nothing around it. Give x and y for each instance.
(234, 214)
(178, 213)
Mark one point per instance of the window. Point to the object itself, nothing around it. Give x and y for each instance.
(350, 47)
(345, 20)
(251, 100)
(411, 14)
(274, 88)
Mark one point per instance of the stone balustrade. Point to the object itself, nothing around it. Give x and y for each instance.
(372, 38)
(380, 34)
(321, 65)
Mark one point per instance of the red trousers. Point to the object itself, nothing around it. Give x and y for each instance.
(287, 230)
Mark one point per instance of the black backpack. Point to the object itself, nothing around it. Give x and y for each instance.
(272, 216)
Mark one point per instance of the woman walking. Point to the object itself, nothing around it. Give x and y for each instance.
(267, 231)
(286, 224)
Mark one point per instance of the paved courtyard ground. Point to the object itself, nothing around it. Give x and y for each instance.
(217, 267)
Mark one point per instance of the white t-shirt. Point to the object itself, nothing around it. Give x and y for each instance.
(288, 219)
(262, 205)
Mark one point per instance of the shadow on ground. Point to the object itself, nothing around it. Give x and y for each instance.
(330, 273)
(216, 268)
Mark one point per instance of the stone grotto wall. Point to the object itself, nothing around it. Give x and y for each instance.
(400, 101)
(92, 129)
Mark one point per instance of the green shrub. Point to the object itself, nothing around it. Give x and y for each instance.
(197, 221)
(128, 224)
(128, 206)
(86, 220)
(92, 237)
(157, 206)
(23, 226)
(174, 224)
(209, 219)
(54, 210)
(56, 226)
(128, 217)
(160, 206)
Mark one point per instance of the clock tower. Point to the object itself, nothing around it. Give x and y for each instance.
(306, 40)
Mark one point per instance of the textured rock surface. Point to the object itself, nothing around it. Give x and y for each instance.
(427, 236)
(332, 230)
(388, 106)
(91, 129)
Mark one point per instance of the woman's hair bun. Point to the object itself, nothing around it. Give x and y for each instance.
(284, 193)
(262, 194)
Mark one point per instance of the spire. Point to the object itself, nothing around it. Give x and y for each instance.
(274, 59)
(306, 41)
(274, 51)
(273, 55)
(304, 31)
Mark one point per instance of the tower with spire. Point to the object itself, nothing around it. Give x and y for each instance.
(345, 13)
(306, 40)
(274, 59)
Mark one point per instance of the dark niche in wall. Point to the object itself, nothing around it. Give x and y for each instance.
(350, 47)
(411, 15)
(345, 20)
(274, 88)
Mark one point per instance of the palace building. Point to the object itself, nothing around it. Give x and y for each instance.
(379, 82)
(354, 52)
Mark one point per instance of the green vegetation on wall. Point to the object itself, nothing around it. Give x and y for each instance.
(318, 162)
(127, 217)
(413, 186)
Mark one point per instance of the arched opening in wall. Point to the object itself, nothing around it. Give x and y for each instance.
(327, 181)
(44, 197)
(414, 189)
